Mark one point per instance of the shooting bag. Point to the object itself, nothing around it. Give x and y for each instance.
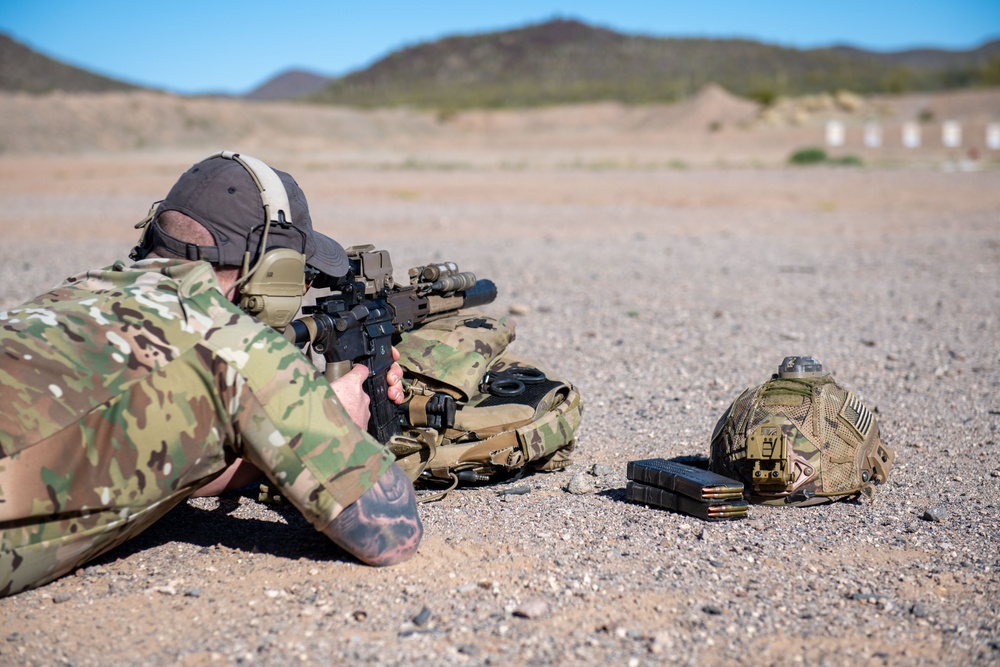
(510, 414)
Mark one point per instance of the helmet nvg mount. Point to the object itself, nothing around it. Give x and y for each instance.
(800, 439)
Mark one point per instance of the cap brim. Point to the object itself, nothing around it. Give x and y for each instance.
(328, 256)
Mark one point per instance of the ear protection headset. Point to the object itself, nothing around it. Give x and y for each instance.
(272, 289)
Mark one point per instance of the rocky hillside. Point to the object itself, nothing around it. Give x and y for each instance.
(564, 61)
(289, 86)
(25, 70)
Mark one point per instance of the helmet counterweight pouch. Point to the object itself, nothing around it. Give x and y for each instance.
(510, 413)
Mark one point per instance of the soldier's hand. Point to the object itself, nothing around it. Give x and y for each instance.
(350, 392)
(394, 378)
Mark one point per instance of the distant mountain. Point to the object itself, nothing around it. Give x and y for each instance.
(927, 59)
(289, 85)
(25, 70)
(564, 61)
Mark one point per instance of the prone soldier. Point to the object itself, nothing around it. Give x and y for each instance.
(128, 389)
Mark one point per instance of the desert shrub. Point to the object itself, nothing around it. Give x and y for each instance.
(847, 161)
(764, 96)
(810, 155)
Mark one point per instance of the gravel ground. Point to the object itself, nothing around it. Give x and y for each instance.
(661, 313)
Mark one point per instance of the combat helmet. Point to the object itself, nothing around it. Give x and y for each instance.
(800, 439)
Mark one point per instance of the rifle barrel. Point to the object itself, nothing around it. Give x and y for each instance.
(483, 292)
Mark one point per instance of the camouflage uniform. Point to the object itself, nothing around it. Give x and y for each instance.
(126, 389)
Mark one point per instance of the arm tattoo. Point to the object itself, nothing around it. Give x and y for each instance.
(382, 527)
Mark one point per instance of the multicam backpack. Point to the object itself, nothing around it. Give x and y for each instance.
(476, 411)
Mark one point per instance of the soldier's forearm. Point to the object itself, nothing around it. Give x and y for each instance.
(382, 527)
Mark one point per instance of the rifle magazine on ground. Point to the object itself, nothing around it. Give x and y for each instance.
(709, 511)
(687, 480)
(686, 489)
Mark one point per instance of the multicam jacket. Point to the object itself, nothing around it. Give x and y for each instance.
(123, 390)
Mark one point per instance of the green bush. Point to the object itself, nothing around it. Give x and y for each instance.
(808, 156)
(765, 96)
(848, 161)
(812, 155)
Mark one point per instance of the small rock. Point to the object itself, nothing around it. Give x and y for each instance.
(519, 309)
(515, 491)
(920, 610)
(580, 485)
(192, 593)
(59, 598)
(712, 610)
(661, 642)
(601, 470)
(533, 608)
(421, 619)
(937, 514)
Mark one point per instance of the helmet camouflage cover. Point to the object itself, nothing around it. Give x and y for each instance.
(800, 439)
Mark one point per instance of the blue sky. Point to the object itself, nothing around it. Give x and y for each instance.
(188, 46)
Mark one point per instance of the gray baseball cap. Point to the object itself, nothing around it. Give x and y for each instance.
(220, 194)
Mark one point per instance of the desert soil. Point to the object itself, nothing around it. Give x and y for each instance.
(658, 281)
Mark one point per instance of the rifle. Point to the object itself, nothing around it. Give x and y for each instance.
(364, 314)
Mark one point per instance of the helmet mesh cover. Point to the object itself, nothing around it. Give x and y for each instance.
(829, 434)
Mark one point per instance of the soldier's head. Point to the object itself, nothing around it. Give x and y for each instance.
(252, 223)
(230, 197)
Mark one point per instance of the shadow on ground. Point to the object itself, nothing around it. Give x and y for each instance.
(291, 537)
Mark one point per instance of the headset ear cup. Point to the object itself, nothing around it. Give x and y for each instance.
(274, 292)
(272, 288)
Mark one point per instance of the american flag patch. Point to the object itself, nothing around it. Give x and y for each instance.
(857, 415)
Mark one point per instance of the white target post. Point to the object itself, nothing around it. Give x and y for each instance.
(951, 133)
(873, 135)
(834, 133)
(911, 134)
(993, 136)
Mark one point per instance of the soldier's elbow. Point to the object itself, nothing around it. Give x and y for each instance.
(399, 549)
